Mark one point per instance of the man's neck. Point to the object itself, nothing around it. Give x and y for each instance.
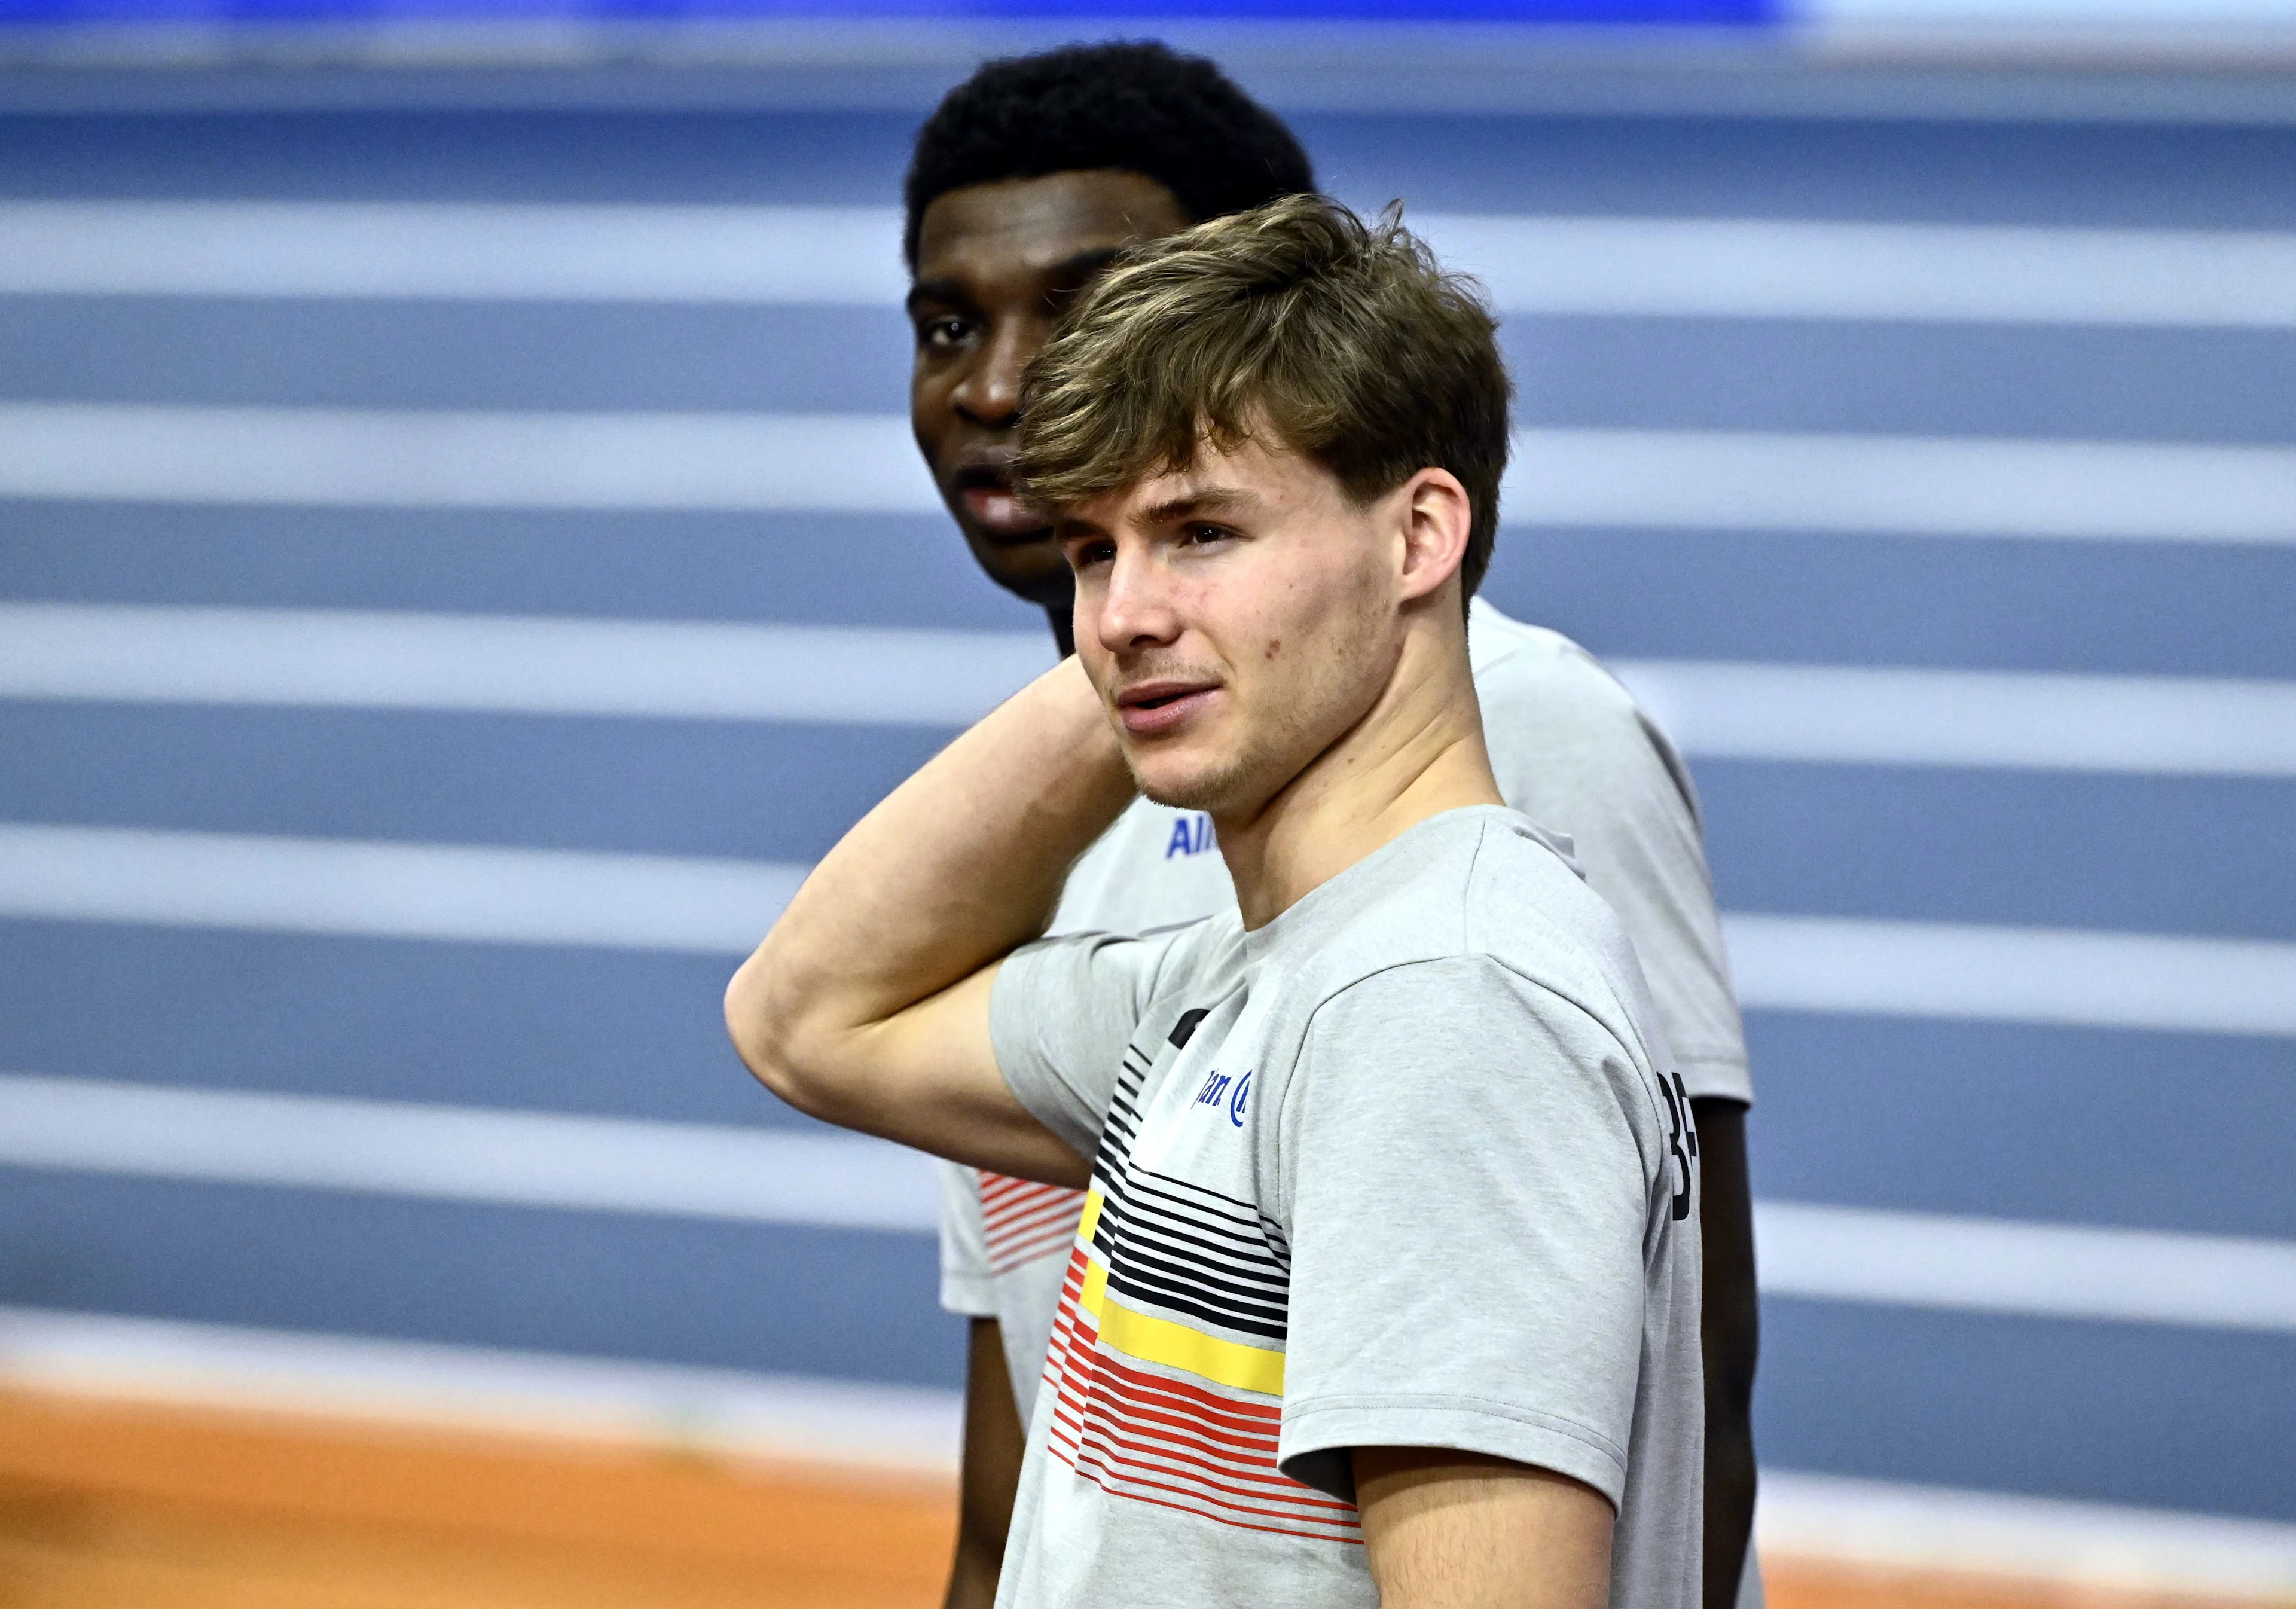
(1416, 754)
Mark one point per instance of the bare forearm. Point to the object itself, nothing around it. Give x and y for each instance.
(961, 863)
(1731, 1335)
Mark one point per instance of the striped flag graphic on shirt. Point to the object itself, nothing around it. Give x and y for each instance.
(1167, 1359)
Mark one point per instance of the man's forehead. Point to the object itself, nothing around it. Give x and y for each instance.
(1246, 476)
(1038, 224)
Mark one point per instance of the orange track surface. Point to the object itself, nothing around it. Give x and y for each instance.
(122, 1505)
(1805, 1584)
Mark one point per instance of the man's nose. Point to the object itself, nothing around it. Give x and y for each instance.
(1137, 609)
(989, 394)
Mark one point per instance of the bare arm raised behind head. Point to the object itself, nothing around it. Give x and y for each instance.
(868, 1005)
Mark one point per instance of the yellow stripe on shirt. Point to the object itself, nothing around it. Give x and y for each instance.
(1153, 1339)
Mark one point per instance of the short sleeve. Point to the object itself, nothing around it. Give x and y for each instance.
(1061, 1012)
(966, 1284)
(1573, 751)
(1472, 1197)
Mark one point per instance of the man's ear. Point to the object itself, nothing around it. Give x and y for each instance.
(1438, 515)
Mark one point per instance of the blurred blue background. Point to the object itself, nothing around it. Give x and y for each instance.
(172, 946)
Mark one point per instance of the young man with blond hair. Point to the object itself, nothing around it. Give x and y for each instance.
(1026, 181)
(1386, 1286)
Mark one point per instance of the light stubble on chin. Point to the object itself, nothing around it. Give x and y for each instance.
(1225, 788)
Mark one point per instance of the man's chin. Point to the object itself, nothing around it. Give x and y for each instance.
(1214, 789)
(1170, 798)
(1029, 566)
(1037, 539)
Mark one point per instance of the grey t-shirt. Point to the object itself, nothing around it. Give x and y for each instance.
(1407, 1166)
(1572, 751)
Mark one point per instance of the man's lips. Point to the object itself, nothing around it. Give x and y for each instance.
(997, 511)
(1153, 708)
(982, 481)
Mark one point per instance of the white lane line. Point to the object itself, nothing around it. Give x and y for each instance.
(1929, 272)
(2057, 976)
(1902, 485)
(377, 459)
(1834, 714)
(768, 256)
(2004, 1266)
(527, 1158)
(548, 1160)
(659, 902)
(720, 1411)
(522, 252)
(2119, 1549)
(510, 664)
(401, 891)
(866, 463)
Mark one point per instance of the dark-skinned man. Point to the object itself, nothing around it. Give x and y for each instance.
(1026, 182)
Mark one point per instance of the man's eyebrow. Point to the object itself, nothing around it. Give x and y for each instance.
(944, 291)
(1205, 500)
(1071, 274)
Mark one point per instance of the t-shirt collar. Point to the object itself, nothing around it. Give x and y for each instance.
(1330, 902)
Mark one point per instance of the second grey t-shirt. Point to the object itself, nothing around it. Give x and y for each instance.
(1407, 1166)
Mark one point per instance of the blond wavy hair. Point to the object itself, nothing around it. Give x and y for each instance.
(1346, 341)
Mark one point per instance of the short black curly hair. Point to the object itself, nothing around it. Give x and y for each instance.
(1141, 108)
